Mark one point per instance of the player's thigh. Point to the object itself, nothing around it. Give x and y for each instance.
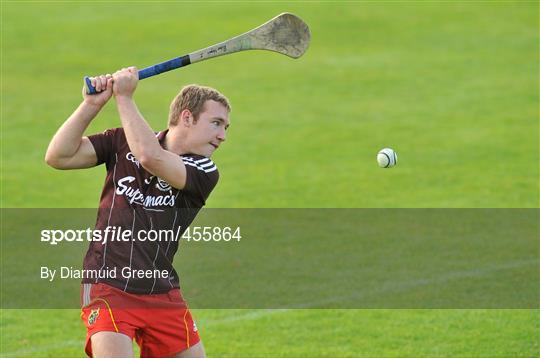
(196, 351)
(111, 345)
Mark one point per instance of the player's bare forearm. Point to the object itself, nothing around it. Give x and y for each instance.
(140, 137)
(69, 149)
(68, 140)
(145, 146)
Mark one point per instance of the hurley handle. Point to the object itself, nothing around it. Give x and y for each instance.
(149, 71)
(89, 88)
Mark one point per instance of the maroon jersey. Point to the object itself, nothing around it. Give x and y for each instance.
(135, 200)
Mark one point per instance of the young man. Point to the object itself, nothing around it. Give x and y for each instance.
(154, 181)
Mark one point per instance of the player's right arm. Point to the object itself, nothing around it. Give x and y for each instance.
(69, 149)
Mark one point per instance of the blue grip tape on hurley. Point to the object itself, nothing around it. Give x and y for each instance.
(89, 88)
(164, 67)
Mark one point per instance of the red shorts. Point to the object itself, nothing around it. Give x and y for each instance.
(160, 323)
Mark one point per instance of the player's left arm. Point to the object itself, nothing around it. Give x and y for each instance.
(140, 137)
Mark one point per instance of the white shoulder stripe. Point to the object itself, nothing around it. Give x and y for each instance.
(202, 160)
(206, 170)
(206, 165)
(196, 161)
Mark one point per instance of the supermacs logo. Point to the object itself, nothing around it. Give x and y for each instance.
(135, 196)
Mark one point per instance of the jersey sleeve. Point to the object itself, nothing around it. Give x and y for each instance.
(105, 145)
(201, 178)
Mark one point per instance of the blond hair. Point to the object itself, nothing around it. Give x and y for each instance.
(193, 97)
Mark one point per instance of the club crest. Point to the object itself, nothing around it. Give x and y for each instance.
(162, 185)
(93, 316)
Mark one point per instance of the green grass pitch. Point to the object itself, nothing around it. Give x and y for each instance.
(451, 86)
